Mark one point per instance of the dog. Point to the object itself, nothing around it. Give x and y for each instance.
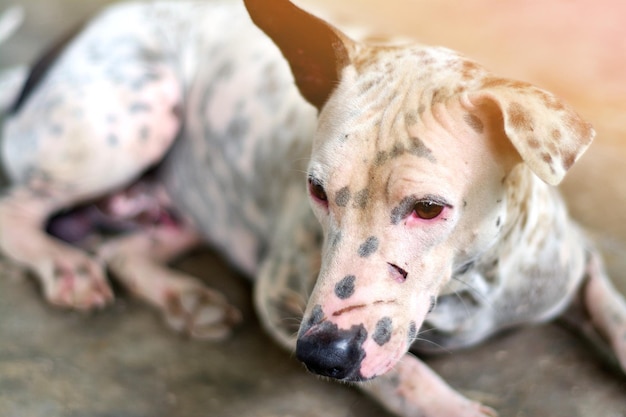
(391, 197)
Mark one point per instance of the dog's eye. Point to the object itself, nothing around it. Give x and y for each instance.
(317, 190)
(427, 210)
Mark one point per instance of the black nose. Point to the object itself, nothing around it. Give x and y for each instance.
(328, 351)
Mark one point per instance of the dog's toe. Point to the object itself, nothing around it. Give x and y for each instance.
(202, 314)
(73, 280)
(484, 411)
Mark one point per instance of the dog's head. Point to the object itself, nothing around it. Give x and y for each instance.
(407, 177)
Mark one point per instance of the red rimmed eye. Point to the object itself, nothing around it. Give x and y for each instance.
(317, 190)
(427, 210)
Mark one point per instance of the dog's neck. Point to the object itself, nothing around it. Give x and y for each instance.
(526, 219)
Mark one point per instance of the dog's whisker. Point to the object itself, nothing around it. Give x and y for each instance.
(458, 295)
(299, 171)
(292, 320)
(474, 291)
(437, 345)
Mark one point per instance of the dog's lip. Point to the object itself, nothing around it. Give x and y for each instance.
(385, 364)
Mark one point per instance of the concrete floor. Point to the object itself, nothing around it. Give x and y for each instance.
(123, 362)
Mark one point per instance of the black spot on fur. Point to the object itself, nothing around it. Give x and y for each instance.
(412, 332)
(139, 107)
(433, 303)
(397, 150)
(381, 158)
(368, 247)
(56, 130)
(335, 240)
(418, 148)
(225, 71)
(316, 317)
(177, 111)
(345, 288)
(361, 198)
(382, 333)
(410, 118)
(238, 127)
(269, 82)
(342, 197)
(402, 210)
(474, 122)
(144, 133)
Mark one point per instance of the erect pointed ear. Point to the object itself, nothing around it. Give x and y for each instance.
(548, 135)
(316, 51)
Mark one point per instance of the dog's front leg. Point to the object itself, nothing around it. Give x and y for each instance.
(606, 308)
(138, 261)
(288, 273)
(412, 389)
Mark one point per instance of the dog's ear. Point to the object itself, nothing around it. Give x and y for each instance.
(548, 135)
(316, 51)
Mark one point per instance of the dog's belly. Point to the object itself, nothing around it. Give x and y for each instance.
(245, 144)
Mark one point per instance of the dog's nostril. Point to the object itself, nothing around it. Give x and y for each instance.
(328, 351)
(398, 273)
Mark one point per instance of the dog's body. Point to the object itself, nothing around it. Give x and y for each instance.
(426, 176)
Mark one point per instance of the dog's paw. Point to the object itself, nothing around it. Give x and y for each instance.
(201, 313)
(71, 279)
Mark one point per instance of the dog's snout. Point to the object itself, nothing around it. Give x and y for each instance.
(328, 351)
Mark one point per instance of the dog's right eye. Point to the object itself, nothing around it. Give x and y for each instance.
(316, 189)
(427, 210)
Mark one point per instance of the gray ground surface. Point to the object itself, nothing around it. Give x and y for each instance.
(123, 362)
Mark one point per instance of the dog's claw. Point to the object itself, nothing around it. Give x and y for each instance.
(201, 313)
